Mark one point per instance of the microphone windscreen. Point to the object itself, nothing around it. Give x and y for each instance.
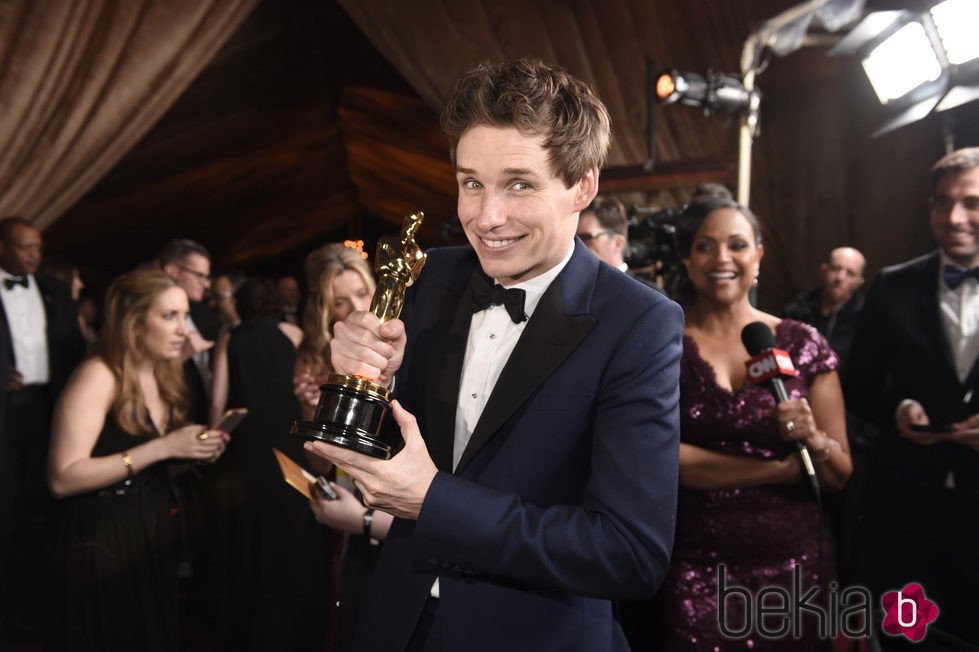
(757, 337)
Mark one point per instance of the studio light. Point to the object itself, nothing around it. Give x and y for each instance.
(919, 63)
(902, 62)
(955, 21)
(712, 92)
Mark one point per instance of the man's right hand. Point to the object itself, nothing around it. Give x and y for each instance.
(15, 380)
(194, 344)
(914, 413)
(362, 346)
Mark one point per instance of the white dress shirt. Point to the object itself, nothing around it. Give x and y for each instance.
(28, 324)
(201, 360)
(492, 337)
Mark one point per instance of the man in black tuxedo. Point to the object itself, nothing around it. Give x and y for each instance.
(42, 342)
(538, 479)
(913, 371)
(189, 263)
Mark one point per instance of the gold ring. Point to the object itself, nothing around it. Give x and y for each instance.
(203, 436)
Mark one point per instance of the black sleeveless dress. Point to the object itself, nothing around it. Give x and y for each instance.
(114, 555)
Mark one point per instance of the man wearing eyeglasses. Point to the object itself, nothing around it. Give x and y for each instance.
(189, 263)
(603, 226)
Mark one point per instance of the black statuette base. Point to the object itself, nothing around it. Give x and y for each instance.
(351, 419)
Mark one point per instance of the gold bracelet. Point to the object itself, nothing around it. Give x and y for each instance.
(127, 461)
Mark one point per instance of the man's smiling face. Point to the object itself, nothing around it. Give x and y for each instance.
(519, 217)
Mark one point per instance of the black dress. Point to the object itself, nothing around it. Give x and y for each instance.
(266, 567)
(114, 556)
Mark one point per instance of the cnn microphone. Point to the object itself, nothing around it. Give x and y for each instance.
(767, 365)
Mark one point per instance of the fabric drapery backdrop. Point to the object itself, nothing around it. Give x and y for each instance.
(818, 180)
(81, 81)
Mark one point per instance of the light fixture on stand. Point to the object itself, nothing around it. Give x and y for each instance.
(713, 92)
(781, 34)
(918, 63)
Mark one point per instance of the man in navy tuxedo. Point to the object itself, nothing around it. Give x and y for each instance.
(538, 479)
(41, 343)
(912, 370)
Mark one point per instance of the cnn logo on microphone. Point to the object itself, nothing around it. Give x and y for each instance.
(771, 363)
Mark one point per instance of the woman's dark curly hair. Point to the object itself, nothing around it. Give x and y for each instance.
(689, 223)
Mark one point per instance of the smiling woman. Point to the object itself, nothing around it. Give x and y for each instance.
(739, 471)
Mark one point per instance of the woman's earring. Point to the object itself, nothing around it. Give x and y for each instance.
(757, 274)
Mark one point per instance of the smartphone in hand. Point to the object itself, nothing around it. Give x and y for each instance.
(323, 485)
(230, 419)
(932, 427)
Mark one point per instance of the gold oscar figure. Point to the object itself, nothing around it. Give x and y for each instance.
(352, 410)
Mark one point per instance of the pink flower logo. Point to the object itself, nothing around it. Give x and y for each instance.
(908, 612)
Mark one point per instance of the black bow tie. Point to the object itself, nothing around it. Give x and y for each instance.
(9, 283)
(955, 276)
(486, 293)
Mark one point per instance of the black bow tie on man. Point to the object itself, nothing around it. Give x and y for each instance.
(955, 276)
(485, 293)
(10, 282)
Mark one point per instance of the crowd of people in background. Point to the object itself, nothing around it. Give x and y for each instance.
(131, 521)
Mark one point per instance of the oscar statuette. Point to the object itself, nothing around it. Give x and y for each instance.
(351, 411)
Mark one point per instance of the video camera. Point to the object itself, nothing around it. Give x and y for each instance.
(652, 249)
(652, 237)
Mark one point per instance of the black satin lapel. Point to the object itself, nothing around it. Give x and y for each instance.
(549, 338)
(445, 372)
(931, 311)
(971, 385)
(6, 339)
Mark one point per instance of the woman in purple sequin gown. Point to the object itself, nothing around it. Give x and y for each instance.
(744, 504)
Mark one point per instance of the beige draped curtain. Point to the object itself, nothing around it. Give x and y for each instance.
(818, 180)
(81, 81)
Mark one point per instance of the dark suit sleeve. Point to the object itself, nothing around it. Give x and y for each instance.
(66, 344)
(866, 381)
(615, 541)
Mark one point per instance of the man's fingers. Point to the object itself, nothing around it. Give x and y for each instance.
(392, 330)
(406, 420)
(339, 456)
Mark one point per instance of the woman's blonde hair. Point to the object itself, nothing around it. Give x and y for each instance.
(127, 302)
(322, 266)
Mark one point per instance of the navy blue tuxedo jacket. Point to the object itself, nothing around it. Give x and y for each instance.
(901, 351)
(565, 496)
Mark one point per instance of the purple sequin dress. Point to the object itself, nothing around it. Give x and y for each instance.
(758, 533)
